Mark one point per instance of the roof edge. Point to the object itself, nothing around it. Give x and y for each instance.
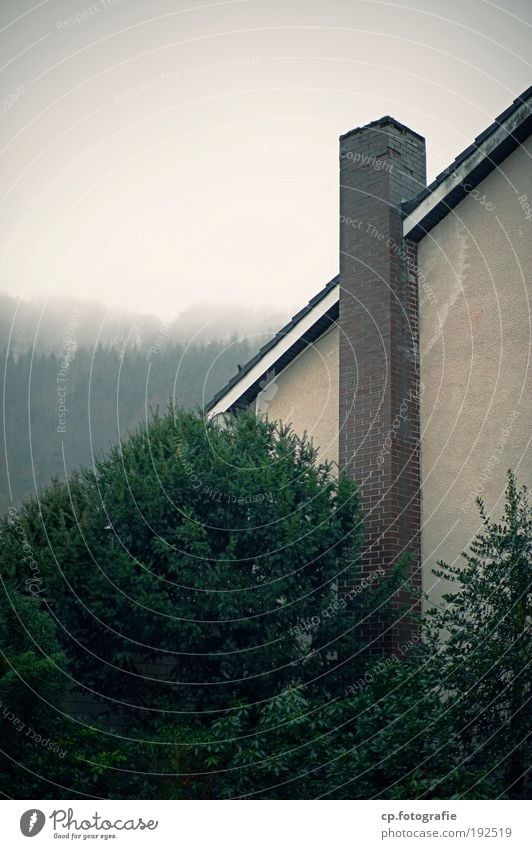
(289, 329)
(473, 164)
(385, 121)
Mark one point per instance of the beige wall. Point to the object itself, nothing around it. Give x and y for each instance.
(305, 394)
(475, 333)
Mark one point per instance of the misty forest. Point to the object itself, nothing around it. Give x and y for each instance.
(111, 370)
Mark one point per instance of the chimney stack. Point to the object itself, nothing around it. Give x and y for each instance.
(381, 165)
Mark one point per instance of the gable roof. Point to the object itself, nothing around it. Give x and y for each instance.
(303, 329)
(421, 213)
(469, 168)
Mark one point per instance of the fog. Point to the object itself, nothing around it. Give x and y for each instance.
(162, 156)
(42, 326)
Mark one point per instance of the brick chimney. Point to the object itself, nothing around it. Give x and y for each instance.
(381, 165)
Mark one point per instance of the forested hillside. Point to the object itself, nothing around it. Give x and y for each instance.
(42, 325)
(65, 403)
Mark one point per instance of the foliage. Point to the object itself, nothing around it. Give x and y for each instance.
(31, 678)
(191, 579)
(484, 657)
(183, 570)
(390, 740)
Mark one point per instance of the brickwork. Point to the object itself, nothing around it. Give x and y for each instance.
(381, 165)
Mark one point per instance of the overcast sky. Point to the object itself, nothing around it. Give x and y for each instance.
(165, 153)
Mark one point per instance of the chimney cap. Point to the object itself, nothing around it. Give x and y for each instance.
(385, 121)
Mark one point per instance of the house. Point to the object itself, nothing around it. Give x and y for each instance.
(411, 368)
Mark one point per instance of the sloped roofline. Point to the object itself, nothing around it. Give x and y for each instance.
(423, 212)
(470, 167)
(303, 329)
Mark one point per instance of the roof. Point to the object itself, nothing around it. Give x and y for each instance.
(469, 168)
(421, 213)
(303, 329)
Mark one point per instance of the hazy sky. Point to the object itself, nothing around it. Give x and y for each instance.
(160, 154)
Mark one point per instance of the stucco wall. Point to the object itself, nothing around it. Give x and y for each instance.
(305, 395)
(475, 333)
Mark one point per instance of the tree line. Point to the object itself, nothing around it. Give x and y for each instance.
(64, 409)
